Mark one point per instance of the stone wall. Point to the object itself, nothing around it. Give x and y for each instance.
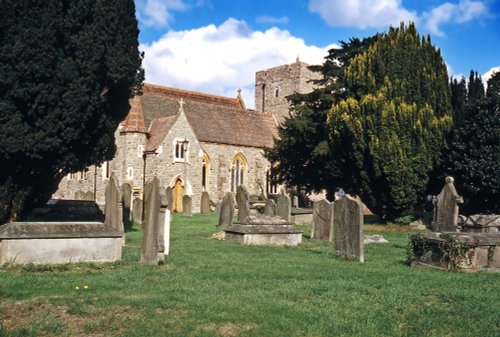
(273, 85)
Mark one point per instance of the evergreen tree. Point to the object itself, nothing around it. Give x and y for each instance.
(473, 157)
(67, 71)
(386, 135)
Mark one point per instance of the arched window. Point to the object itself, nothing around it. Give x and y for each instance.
(238, 169)
(205, 168)
(276, 92)
(271, 184)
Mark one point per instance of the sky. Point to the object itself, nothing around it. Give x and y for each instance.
(216, 46)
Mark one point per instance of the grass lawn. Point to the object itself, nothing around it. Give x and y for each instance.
(215, 288)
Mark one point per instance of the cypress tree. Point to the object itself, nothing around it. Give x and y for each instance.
(67, 71)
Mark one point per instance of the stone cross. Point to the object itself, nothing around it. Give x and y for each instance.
(270, 208)
(187, 205)
(445, 217)
(348, 228)
(205, 203)
(149, 247)
(226, 211)
(242, 198)
(283, 206)
(322, 220)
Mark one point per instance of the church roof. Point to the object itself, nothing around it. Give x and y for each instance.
(135, 118)
(214, 119)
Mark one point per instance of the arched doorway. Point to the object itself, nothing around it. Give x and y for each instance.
(178, 193)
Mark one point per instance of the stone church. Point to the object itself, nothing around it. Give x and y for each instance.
(196, 142)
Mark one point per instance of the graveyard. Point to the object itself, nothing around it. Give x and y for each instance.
(209, 287)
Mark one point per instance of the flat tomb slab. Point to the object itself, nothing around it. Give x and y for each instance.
(264, 235)
(461, 251)
(55, 243)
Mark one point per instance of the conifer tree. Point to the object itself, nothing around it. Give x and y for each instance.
(67, 71)
(387, 134)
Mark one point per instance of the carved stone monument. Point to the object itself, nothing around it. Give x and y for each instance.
(226, 211)
(205, 203)
(322, 220)
(270, 209)
(445, 217)
(150, 248)
(283, 206)
(242, 198)
(187, 205)
(348, 228)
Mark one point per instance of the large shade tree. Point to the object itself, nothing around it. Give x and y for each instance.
(67, 71)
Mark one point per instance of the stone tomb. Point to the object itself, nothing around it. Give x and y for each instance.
(264, 231)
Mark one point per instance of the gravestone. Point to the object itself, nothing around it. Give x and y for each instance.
(149, 247)
(445, 217)
(322, 220)
(187, 205)
(205, 203)
(226, 211)
(160, 236)
(137, 210)
(242, 199)
(170, 198)
(348, 228)
(283, 207)
(127, 205)
(112, 211)
(270, 209)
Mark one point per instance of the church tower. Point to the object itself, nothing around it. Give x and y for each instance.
(273, 85)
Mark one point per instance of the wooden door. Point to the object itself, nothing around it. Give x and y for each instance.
(178, 193)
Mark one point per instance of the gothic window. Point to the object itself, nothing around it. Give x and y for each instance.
(271, 184)
(82, 175)
(205, 167)
(181, 147)
(73, 176)
(276, 92)
(238, 168)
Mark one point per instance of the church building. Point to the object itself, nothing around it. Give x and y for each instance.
(196, 142)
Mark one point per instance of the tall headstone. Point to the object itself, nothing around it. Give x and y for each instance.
(112, 211)
(160, 235)
(270, 208)
(127, 205)
(322, 220)
(205, 203)
(137, 210)
(187, 205)
(226, 211)
(242, 199)
(445, 217)
(348, 228)
(170, 198)
(283, 207)
(149, 248)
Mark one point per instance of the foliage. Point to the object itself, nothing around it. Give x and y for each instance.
(67, 71)
(473, 157)
(405, 219)
(387, 134)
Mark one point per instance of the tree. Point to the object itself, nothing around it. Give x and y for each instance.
(473, 157)
(387, 135)
(67, 71)
(301, 154)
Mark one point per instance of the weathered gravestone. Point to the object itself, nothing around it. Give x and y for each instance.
(170, 198)
(112, 212)
(322, 220)
(283, 206)
(137, 210)
(445, 217)
(150, 242)
(187, 205)
(127, 205)
(348, 228)
(270, 209)
(242, 198)
(226, 211)
(205, 203)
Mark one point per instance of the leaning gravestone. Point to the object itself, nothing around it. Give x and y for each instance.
(322, 220)
(226, 211)
(242, 199)
(127, 205)
(137, 210)
(112, 212)
(283, 207)
(445, 217)
(270, 209)
(149, 247)
(205, 203)
(348, 228)
(187, 205)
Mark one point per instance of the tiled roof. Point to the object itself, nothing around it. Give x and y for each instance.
(214, 119)
(135, 118)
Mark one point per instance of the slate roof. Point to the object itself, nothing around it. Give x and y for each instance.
(214, 119)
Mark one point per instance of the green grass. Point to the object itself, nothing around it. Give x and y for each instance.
(215, 288)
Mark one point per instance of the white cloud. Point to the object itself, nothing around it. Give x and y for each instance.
(362, 13)
(462, 12)
(158, 13)
(265, 19)
(221, 59)
(487, 75)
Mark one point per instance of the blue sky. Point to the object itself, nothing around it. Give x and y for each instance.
(216, 46)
